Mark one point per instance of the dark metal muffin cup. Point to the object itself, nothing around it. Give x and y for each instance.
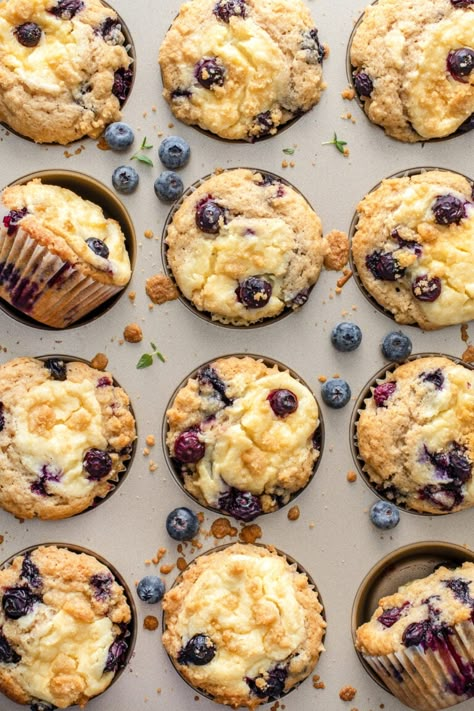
(132, 626)
(129, 45)
(365, 394)
(410, 562)
(353, 229)
(90, 189)
(291, 561)
(206, 315)
(270, 362)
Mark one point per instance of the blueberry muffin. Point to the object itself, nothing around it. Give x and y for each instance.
(60, 256)
(415, 435)
(243, 625)
(64, 628)
(66, 433)
(419, 641)
(414, 248)
(64, 69)
(243, 436)
(241, 68)
(412, 67)
(245, 247)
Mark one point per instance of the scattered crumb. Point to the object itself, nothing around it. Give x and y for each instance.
(344, 279)
(159, 288)
(294, 513)
(218, 170)
(250, 533)
(464, 333)
(133, 333)
(337, 244)
(166, 568)
(351, 476)
(149, 234)
(221, 527)
(159, 555)
(2, 538)
(158, 691)
(284, 164)
(181, 563)
(171, 125)
(150, 440)
(146, 452)
(468, 355)
(132, 296)
(346, 152)
(311, 525)
(347, 693)
(322, 378)
(153, 466)
(292, 163)
(200, 516)
(102, 144)
(100, 361)
(348, 93)
(317, 683)
(150, 622)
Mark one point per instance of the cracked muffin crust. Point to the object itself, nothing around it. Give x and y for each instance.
(64, 628)
(66, 433)
(420, 641)
(413, 248)
(244, 246)
(412, 67)
(241, 68)
(243, 436)
(60, 256)
(415, 435)
(64, 69)
(243, 625)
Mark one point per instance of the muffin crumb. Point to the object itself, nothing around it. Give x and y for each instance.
(133, 333)
(149, 234)
(317, 683)
(351, 476)
(468, 355)
(337, 250)
(250, 533)
(159, 288)
(153, 466)
(132, 295)
(100, 361)
(150, 622)
(348, 93)
(150, 440)
(322, 378)
(181, 563)
(344, 279)
(464, 332)
(159, 555)
(221, 528)
(347, 693)
(166, 568)
(294, 513)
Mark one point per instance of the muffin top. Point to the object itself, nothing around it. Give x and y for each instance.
(243, 436)
(63, 621)
(241, 68)
(244, 247)
(420, 613)
(66, 431)
(414, 248)
(413, 62)
(63, 68)
(243, 625)
(69, 226)
(416, 435)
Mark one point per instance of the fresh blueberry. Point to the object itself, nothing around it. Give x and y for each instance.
(198, 650)
(382, 392)
(448, 210)
(460, 63)
(119, 136)
(283, 402)
(102, 584)
(383, 265)
(384, 515)
(209, 216)
(168, 186)
(336, 392)
(57, 368)
(346, 336)
(151, 589)
(28, 34)
(363, 84)
(116, 655)
(66, 9)
(174, 152)
(425, 288)
(98, 247)
(122, 83)
(210, 72)
(97, 463)
(125, 179)
(396, 346)
(225, 9)
(188, 448)
(182, 524)
(18, 601)
(242, 505)
(254, 292)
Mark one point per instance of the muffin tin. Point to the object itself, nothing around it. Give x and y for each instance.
(333, 538)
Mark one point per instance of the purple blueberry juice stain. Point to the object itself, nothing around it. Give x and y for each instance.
(225, 9)
(312, 46)
(392, 615)
(66, 9)
(48, 473)
(61, 276)
(111, 32)
(274, 683)
(116, 655)
(242, 505)
(122, 83)
(7, 653)
(461, 590)
(2, 416)
(11, 220)
(382, 393)
(104, 382)
(301, 297)
(445, 497)
(210, 72)
(102, 584)
(412, 245)
(384, 266)
(448, 210)
(264, 123)
(30, 572)
(208, 376)
(435, 377)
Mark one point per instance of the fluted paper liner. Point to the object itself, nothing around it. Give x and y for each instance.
(427, 680)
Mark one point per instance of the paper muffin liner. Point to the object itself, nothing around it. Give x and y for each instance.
(431, 679)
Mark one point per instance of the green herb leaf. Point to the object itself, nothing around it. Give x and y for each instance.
(145, 361)
(289, 151)
(145, 145)
(339, 143)
(160, 356)
(142, 158)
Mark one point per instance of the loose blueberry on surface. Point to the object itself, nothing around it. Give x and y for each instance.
(460, 63)
(336, 392)
(311, 44)
(274, 683)
(448, 210)
(11, 220)
(98, 247)
(168, 186)
(97, 463)
(102, 584)
(384, 515)
(174, 152)
(116, 655)
(363, 84)
(188, 448)
(67, 9)
(242, 505)
(396, 346)
(151, 589)
(122, 84)
(119, 136)
(7, 653)
(30, 572)
(28, 34)
(57, 368)
(125, 179)
(209, 216)
(283, 402)
(209, 72)
(392, 615)
(383, 265)
(425, 288)
(199, 650)
(254, 292)
(182, 524)
(435, 377)
(18, 601)
(2, 416)
(225, 9)
(346, 336)
(382, 392)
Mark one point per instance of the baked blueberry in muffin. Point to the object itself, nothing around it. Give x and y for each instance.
(413, 67)
(415, 435)
(66, 434)
(242, 68)
(243, 436)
